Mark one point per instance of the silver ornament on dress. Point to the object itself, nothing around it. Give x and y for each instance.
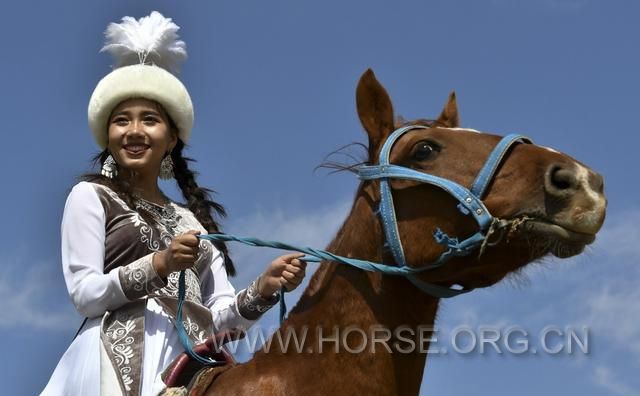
(109, 168)
(166, 168)
(165, 215)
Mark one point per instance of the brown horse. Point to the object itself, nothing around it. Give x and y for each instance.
(561, 199)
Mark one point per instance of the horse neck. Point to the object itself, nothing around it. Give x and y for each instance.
(342, 296)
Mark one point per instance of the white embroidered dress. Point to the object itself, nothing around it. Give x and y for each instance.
(103, 281)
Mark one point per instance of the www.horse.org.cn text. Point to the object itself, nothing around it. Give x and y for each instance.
(464, 340)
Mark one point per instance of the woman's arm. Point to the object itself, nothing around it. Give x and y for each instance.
(83, 251)
(230, 309)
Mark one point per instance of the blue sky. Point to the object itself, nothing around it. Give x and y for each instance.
(273, 84)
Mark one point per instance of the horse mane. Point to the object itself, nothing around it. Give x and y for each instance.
(348, 161)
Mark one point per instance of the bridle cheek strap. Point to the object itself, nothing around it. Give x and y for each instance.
(469, 202)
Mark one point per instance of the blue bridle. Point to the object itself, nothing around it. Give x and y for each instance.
(469, 203)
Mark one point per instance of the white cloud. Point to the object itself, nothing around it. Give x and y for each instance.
(298, 226)
(303, 227)
(615, 311)
(607, 380)
(600, 290)
(609, 294)
(620, 237)
(30, 297)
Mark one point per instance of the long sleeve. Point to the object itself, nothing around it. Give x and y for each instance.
(228, 308)
(219, 295)
(83, 250)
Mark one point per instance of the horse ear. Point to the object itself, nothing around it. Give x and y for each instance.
(374, 109)
(449, 117)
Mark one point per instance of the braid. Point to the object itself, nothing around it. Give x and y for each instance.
(199, 201)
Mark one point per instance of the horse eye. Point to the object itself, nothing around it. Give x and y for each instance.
(423, 150)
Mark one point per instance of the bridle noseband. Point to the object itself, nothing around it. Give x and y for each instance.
(470, 203)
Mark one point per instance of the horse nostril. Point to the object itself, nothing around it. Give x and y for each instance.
(560, 180)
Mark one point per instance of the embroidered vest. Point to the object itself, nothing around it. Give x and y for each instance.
(129, 240)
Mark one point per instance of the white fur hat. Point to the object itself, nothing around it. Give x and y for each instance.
(143, 50)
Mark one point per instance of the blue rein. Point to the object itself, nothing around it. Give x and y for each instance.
(470, 203)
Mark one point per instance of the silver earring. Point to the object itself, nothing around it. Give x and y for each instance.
(109, 168)
(166, 168)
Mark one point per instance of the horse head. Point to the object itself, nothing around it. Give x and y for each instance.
(550, 203)
(421, 194)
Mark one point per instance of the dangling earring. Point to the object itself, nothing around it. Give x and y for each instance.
(166, 168)
(109, 168)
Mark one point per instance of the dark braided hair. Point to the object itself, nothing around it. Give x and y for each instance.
(198, 198)
(199, 201)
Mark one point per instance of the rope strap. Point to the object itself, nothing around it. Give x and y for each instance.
(182, 333)
(317, 255)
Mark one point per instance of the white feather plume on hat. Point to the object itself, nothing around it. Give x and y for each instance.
(152, 39)
(144, 50)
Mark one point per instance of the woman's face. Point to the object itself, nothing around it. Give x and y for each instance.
(140, 136)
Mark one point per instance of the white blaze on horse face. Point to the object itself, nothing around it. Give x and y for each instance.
(589, 216)
(463, 130)
(550, 149)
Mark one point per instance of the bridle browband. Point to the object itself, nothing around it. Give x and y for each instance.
(469, 203)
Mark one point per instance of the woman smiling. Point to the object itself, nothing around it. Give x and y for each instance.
(124, 241)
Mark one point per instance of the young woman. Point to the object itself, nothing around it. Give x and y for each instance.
(124, 241)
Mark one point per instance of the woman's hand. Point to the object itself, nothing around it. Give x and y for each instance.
(181, 254)
(287, 271)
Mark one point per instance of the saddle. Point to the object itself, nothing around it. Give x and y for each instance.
(187, 377)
